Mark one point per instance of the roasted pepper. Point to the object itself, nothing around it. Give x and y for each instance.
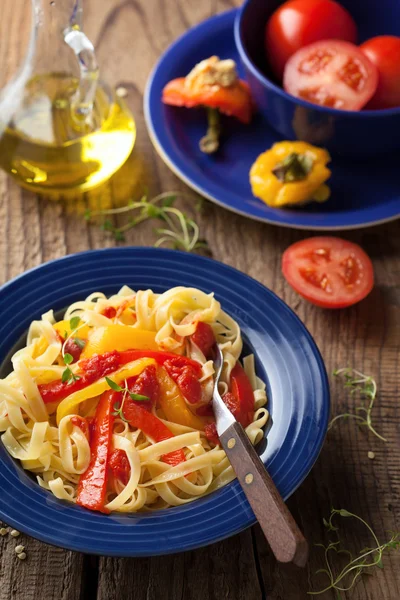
(212, 83)
(118, 337)
(291, 173)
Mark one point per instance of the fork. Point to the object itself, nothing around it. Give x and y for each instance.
(279, 527)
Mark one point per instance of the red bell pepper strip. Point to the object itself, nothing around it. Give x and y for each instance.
(119, 466)
(99, 366)
(138, 417)
(146, 384)
(92, 484)
(160, 357)
(240, 401)
(94, 368)
(203, 337)
(186, 377)
(243, 394)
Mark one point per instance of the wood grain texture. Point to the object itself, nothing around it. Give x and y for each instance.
(129, 36)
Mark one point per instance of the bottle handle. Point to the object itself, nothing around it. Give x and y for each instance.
(82, 105)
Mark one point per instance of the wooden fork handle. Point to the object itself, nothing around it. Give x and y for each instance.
(284, 537)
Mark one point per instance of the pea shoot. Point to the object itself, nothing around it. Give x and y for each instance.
(177, 231)
(367, 558)
(366, 387)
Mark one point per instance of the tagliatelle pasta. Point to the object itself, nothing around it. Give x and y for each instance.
(110, 407)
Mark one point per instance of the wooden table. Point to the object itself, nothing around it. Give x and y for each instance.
(129, 36)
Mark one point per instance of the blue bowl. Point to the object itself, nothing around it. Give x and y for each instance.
(362, 133)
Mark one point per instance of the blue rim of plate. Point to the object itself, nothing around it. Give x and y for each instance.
(216, 36)
(286, 358)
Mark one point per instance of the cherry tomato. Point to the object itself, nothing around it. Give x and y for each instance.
(331, 73)
(328, 271)
(384, 52)
(298, 23)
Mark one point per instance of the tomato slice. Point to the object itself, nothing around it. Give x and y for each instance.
(328, 271)
(331, 73)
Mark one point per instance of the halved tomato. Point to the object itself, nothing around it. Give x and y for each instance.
(328, 271)
(331, 73)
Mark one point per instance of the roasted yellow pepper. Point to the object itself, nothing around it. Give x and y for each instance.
(291, 173)
(118, 337)
(173, 404)
(70, 404)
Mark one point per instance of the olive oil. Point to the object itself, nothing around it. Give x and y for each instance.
(48, 147)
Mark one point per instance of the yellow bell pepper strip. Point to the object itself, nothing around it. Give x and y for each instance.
(118, 337)
(174, 406)
(70, 404)
(291, 173)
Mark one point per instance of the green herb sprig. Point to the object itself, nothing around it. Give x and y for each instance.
(67, 375)
(367, 558)
(118, 408)
(366, 387)
(180, 231)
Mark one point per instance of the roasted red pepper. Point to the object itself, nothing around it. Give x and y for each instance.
(146, 384)
(94, 368)
(92, 484)
(99, 366)
(82, 423)
(198, 89)
(140, 418)
(204, 338)
(130, 355)
(110, 312)
(186, 377)
(243, 395)
(119, 466)
(240, 401)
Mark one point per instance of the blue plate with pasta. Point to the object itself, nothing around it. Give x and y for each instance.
(106, 381)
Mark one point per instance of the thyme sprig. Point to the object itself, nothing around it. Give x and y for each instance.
(179, 231)
(118, 407)
(356, 566)
(366, 387)
(67, 375)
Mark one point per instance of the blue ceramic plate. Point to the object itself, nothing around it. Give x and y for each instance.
(287, 359)
(363, 192)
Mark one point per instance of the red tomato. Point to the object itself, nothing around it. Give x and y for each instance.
(203, 337)
(384, 52)
(298, 23)
(331, 73)
(328, 271)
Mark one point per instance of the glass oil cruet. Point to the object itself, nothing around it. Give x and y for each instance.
(61, 128)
